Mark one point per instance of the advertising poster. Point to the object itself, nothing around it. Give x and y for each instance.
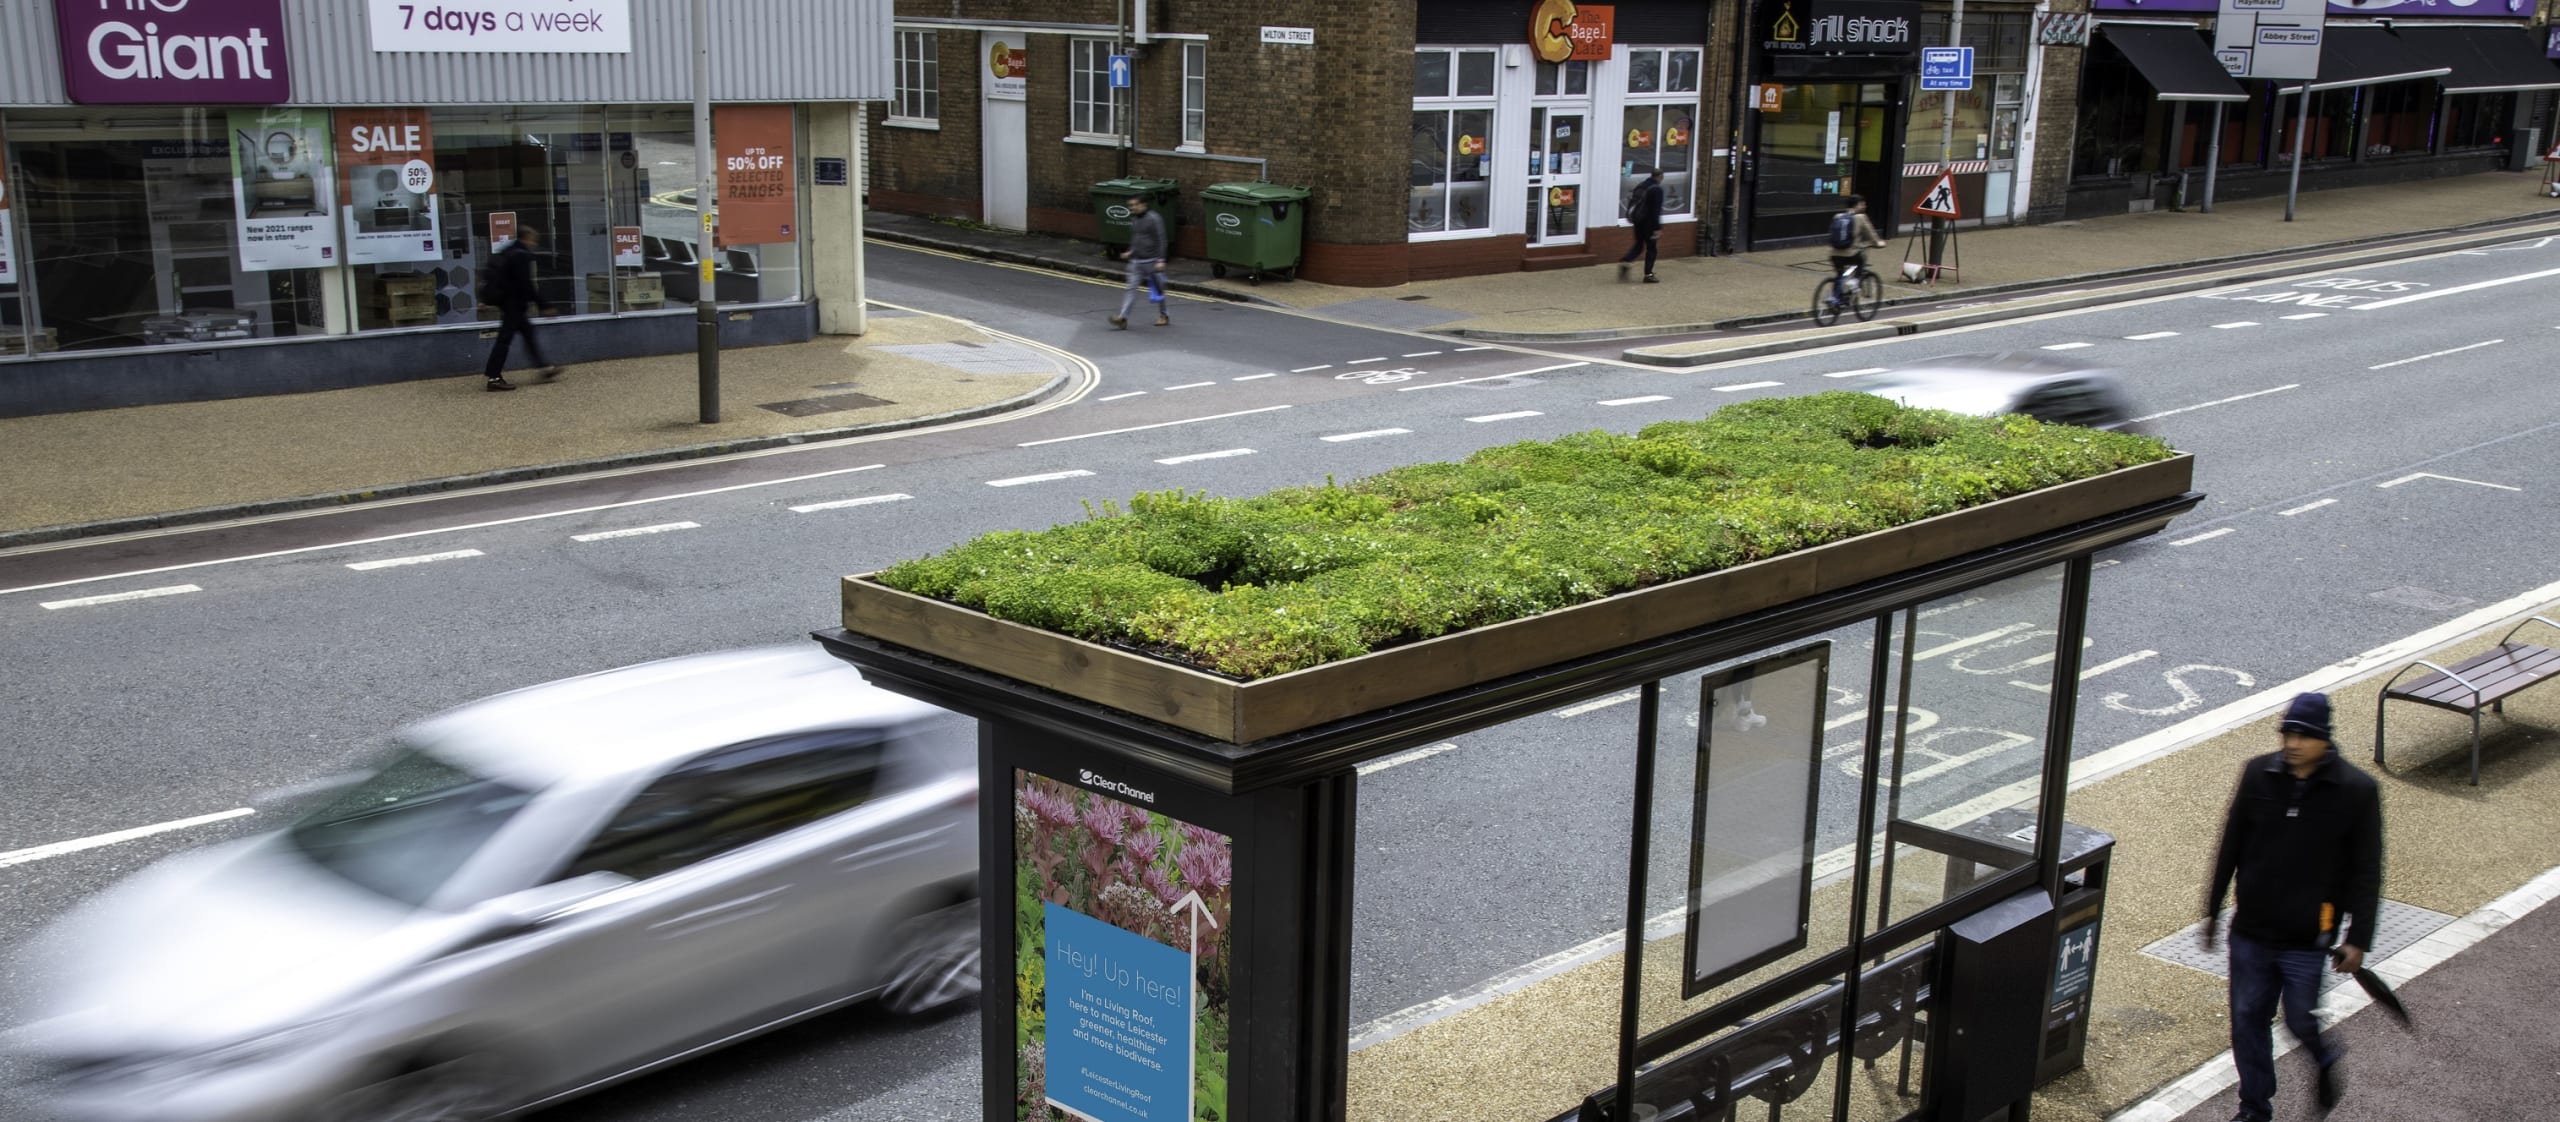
(8, 245)
(759, 200)
(280, 178)
(501, 26)
(1008, 71)
(626, 247)
(1121, 939)
(387, 182)
(502, 229)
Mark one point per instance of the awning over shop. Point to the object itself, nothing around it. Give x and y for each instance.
(2175, 60)
(2369, 56)
(2485, 59)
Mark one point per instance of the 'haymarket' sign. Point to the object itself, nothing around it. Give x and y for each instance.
(1842, 27)
(173, 52)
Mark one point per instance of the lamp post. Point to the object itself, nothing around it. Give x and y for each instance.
(706, 297)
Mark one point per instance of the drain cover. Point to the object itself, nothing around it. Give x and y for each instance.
(2421, 599)
(2401, 925)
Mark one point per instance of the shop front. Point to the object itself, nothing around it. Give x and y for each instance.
(1830, 112)
(2405, 91)
(1533, 124)
(329, 191)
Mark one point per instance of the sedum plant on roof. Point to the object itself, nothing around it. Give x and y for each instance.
(1308, 575)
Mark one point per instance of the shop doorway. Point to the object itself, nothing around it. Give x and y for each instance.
(1825, 140)
(1556, 175)
(1004, 183)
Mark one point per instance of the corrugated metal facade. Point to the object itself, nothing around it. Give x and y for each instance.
(761, 50)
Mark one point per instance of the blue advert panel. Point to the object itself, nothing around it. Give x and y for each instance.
(1119, 1015)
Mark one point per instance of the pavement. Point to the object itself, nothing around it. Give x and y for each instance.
(1700, 294)
(110, 471)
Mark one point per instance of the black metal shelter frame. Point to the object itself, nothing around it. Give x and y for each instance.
(1289, 805)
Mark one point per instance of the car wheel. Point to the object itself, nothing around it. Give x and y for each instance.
(936, 963)
(465, 1088)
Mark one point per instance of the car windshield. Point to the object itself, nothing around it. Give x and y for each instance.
(404, 832)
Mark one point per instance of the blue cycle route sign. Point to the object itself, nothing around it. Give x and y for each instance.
(1946, 68)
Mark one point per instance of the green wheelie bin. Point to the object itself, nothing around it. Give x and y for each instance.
(1111, 209)
(1256, 227)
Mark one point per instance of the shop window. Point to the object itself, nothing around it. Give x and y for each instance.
(1984, 130)
(1441, 73)
(1195, 95)
(918, 96)
(132, 225)
(2328, 135)
(2396, 117)
(1092, 108)
(2477, 120)
(1655, 71)
(1565, 79)
(2117, 110)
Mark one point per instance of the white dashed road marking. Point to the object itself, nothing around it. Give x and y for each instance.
(1143, 428)
(1420, 354)
(2067, 346)
(1494, 377)
(420, 559)
(1189, 386)
(1400, 759)
(16, 857)
(1372, 358)
(2414, 477)
(1602, 703)
(840, 504)
(636, 531)
(2206, 536)
(2436, 354)
(1309, 369)
(2211, 404)
(2307, 315)
(1856, 373)
(1463, 350)
(1253, 377)
(121, 597)
(2235, 323)
(1363, 435)
(2306, 507)
(2148, 336)
(2474, 286)
(1217, 455)
(1506, 416)
(1638, 400)
(1746, 386)
(1118, 396)
(1044, 477)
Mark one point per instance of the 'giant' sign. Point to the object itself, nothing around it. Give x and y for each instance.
(173, 52)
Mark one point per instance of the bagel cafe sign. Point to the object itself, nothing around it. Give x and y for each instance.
(1563, 31)
(1008, 71)
(1842, 27)
(173, 52)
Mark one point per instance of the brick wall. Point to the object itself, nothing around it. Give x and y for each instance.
(2057, 124)
(933, 171)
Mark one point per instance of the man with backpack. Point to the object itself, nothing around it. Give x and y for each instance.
(1645, 211)
(1851, 234)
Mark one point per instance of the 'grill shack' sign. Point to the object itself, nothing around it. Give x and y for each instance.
(173, 52)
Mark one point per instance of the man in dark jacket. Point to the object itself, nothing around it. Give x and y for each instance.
(1146, 254)
(1645, 210)
(2304, 841)
(511, 284)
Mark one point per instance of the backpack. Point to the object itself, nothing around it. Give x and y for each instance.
(1844, 231)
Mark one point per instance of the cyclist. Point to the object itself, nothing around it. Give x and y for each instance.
(1851, 235)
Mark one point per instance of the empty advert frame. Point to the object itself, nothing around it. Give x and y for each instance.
(1751, 826)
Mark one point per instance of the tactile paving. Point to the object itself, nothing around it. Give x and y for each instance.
(2401, 925)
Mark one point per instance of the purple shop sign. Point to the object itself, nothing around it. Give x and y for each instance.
(2441, 9)
(173, 52)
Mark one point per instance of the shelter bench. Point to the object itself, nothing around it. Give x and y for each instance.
(2484, 680)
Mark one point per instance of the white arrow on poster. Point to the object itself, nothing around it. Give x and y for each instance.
(1940, 202)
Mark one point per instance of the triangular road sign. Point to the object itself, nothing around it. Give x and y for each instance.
(1940, 202)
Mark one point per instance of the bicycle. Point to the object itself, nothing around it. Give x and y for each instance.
(1831, 296)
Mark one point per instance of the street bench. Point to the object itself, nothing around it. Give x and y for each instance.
(2483, 681)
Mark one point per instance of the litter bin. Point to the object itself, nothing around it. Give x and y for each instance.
(1993, 843)
(1256, 227)
(1111, 209)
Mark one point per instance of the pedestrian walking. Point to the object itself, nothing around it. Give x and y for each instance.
(1145, 256)
(1645, 210)
(510, 287)
(2303, 840)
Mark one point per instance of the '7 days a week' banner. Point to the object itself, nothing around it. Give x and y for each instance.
(501, 26)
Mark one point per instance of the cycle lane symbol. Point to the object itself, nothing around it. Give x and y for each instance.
(1380, 377)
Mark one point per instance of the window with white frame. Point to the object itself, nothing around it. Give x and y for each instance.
(1195, 95)
(918, 95)
(1092, 107)
(1452, 168)
(1662, 125)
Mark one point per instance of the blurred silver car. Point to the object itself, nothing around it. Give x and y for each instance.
(540, 893)
(2038, 385)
